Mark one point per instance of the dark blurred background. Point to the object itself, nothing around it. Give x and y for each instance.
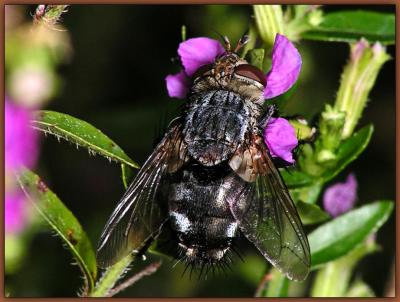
(115, 81)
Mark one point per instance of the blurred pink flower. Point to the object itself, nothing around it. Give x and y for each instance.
(280, 137)
(21, 149)
(177, 85)
(15, 208)
(21, 141)
(340, 197)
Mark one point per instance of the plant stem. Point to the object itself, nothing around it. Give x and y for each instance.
(111, 276)
(147, 271)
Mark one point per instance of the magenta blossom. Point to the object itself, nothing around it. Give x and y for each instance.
(16, 212)
(21, 149)
(21, 141)
(340, 197)
(279, 135)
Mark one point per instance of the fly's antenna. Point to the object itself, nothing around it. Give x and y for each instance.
(227, 44)
(226, 41)
(243, 41)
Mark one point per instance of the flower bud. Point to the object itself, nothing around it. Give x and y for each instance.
(358, 78)
(340, 197)
(269, 21)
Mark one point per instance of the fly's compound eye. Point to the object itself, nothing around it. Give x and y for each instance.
(202, 71)
(251, 72)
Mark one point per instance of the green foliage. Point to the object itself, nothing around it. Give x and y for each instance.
(350, 26)
(339, 236)
(277, 286)
(348, 151)
(110, 277)
(63, 222)
(360, 289)
(310, 213)
(82, 134)
(340, 271)
(306, 180)
(294, 178)
(126, 175)
(256, 57)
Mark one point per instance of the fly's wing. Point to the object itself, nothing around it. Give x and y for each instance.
(268, 217)
(138, 217)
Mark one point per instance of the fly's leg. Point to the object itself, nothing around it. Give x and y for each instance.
(270, 112)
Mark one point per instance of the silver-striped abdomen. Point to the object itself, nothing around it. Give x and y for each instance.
(199, 211)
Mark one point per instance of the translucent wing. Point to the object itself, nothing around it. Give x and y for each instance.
(268, 217)
(138, 216)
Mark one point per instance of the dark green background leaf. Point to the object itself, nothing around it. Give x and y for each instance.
(294, 178)
(81, 133)
(350, 26)
(62, 221)
(311, 213)
(339, 236)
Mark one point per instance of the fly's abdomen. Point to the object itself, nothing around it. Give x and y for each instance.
(200, 214)
(215, 125)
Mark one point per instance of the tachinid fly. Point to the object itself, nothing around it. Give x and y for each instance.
(211, 178)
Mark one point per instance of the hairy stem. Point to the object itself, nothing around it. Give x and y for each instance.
(147, 271)
(111, 276)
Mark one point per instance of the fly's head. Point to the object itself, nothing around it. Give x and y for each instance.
(230, 72)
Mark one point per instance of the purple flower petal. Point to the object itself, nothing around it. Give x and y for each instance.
(197, 52)
(286, 65)
(15, 212)
(177, 85)
(21, 141)
(280, 137)
(340, 197)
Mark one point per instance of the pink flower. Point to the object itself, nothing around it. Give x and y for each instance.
(197, 52)
(340, 197)
(280, 138)
(21, 149)
(177, 85)
(21, 141)
(15, 208)
(279, 135)
(286, 65)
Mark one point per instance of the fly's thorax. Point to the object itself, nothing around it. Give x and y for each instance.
(215, 124)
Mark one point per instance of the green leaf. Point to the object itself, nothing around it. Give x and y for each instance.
(82, 134)
(62, 221)
(333, 279)
(126, 175)
(307, 194)
(294, 178)
(310, 213)
(111, 276)
(349, 150)
(350, 26)
(339, 236)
